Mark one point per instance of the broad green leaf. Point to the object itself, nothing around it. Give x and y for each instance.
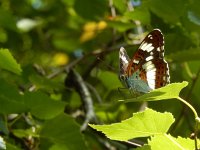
(44, 83)
(187, 55)
(10, 99)
(166, 142)
(90, 10)
(120, 26)
(167, 92)
(42, 106)
(142, 124)
(109, 79)
(120, 5)
(169, 11)
(142, 15)
(62, 131)
(8, 62)
(2, 143)
(7, 20)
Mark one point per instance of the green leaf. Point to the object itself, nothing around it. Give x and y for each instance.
(120, 26)
(42, 106)
(108, 78)
(187, 55)
(24, 133)
(7, 20)
(142, 15)
(120, 5)
(2, 143)
(169, 91)
(142, 124)
(90, 10)
(166, 142)
(44, 83)
(8, 62)
(10, 99)
(62, 131)
(169, 11)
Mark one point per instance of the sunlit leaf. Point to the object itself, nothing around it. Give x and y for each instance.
(167, 92)
(8, 62)
(142, 124)
(167, 142)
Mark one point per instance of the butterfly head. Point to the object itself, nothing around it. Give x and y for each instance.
(123, 64)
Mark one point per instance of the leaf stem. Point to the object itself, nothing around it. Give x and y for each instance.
(191, 107)
(197, 120)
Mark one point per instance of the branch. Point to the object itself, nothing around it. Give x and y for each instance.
(74, 79)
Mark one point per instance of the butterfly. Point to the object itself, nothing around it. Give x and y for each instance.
(147, 70)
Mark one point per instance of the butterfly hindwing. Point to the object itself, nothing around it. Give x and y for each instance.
(147, 70)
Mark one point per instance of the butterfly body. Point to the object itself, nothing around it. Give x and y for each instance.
(147, 70)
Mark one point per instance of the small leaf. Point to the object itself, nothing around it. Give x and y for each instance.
(167, 142)
(63, 131)
(8, 62)
(167, 92)
(142, 124)
(24, 133)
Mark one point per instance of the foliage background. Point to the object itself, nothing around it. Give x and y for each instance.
(42, 107)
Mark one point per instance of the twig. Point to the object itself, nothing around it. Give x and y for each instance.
(98, 97)
(78, 83)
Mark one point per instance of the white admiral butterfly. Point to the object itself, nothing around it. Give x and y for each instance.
(147, 70)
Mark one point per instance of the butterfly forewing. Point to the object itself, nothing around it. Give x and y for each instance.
(148, 64)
